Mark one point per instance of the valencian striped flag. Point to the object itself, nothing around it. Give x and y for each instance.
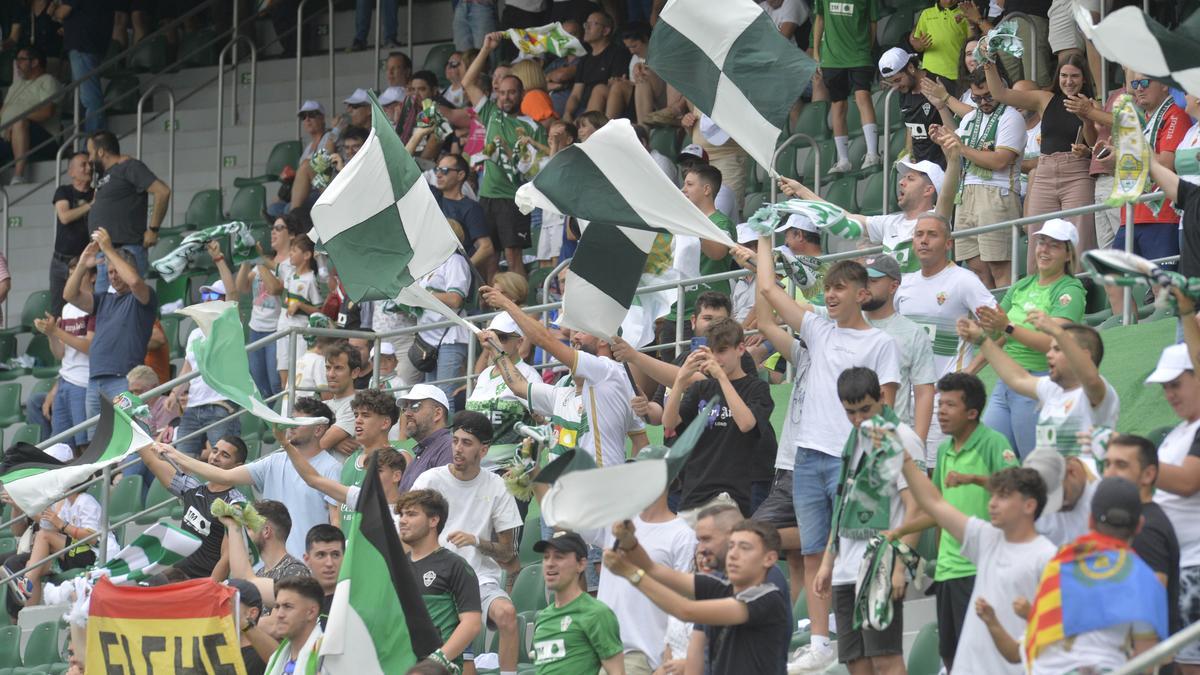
(729, 60)
(186, 627)
(379, 221)
(1092, 583)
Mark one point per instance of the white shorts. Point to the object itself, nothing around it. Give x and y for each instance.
(1063, 32)
(550, 239)
(489, 592)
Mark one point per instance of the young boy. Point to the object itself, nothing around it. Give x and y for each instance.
(720, 461)
(1013, 550)
(375, 412)
(881, 650)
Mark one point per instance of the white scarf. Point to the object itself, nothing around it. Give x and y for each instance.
(309, 651)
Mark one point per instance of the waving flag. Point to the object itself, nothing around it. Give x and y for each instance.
(35, 484)
(1134, 40)
(378, 624)
(548, 39)
(224, 365)
(729, 60)
(378, 220)
(162, 545)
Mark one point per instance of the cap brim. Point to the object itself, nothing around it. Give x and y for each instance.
(1054, 500)
(1162, 375)
(541, 546)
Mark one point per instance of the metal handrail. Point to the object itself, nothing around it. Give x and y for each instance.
(887, 147)
(300, 60)
(1033, 49)
(812, 143)
(221, 103)
(170, 142)
(378, 38)
(4, 215)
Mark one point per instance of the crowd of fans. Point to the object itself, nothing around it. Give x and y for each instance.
(693, 584)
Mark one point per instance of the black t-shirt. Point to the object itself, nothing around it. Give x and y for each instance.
(326, 605)
(719, 462)
(254, 664)
(199, 520)
(449, 587)
(1157, 545)
(1189, 255)
(88, 27)
(612, 62)
(71, 239)
(919, 114)
(758, 646)
(121, 202)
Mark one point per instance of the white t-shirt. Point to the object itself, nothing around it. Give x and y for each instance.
(791, 11)
(1064, 414)
(264, 312)
(494, 399)
(310, 370)
(302, 287)
(452, 276)
(199, 393)
(85, 513)
(785, 456)
(726, 203)
(833, 350)
(1191, 139)
(481, 506)
(936, 303)
(343, 413)
(74, 367)
(852, 552)
(1184, 512)
(895, 232)
(1011, 571)
(916, 361)
(1097, 651)
(643, 624)
(1010, 135)
(1061, 526)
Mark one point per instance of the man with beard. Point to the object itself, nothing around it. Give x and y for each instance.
(902, 72)
(122, 191)
(594, 412)
(269, 540)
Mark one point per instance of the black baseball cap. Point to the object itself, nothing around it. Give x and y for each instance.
(249, 592)
(564, 541)
(1117, 502)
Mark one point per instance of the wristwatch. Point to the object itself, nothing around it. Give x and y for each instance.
(636, 577)
(1010, 328)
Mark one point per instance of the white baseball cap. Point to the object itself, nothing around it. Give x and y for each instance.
(1173, 362)
(420, 392)
(385, 349)
(893, 61)
(935, 173)
(1052, 467)
(799, 222)
(311, 106)
(392, 95)
(745, 235)
(1062, 230)
(217, 287)
(359, 97)
(503, 323)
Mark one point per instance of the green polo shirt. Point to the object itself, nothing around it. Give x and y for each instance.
(985, 452)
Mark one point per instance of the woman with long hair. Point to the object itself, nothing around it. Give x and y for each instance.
(1054, 291)
(1062, 179)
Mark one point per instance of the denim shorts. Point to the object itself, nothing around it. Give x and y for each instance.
(814, 487)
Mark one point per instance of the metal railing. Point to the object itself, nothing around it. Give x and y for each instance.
(300, 60)
(4, 215)
(221, 104)
(170, 141)
(379, 37)
(1033, 40)
(887, 148)
(816, 157)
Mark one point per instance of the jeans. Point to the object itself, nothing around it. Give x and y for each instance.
(33, 413)
(362, 19)
(107, 386)
(70, 408)
(200, 416)
(141, 260)
(262, 366)
(1013, 415)
(814, 487)
(472, 22)
(90, 94)
(452, 358)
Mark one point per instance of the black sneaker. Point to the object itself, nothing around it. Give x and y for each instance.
(358, 46)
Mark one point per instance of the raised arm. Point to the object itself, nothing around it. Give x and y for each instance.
(238, 475)
(163, 472)
(126, 271)
(239, 561)
(534, 331)
(73, 290)
(953, 175)
(1016, 377)
(227, 278)
(1026, 100)
(791, 311)
(1081, 362)
(931, 502)
(333, 489)
(1166, 178)
(470, 81)
(636, 555)
(794, 188)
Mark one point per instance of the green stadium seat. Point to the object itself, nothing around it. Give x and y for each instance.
(893, 30)
(8, 546)
(752, 203)
(896, 118)
(800, 637)
(529, 590)
(36, 306)
(814, 120)
(896, 146)
(530, 534)
(170, 291)
(45, 364)
(435, 61)
(807, 166)
(6, 66)
(125, 499)
(150, 55)
(170, 324)
(158, 493)
(198, 48)
(10, 404)
(254, 428)
(923, 658)
(842, 193)
(284, 154)
(204, 210)
(248, 204)
(870, 195)
(42, 646)
(854, 119)
(28, 433)
(10, 642)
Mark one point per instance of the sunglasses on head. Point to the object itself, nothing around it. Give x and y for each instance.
(1140, 84)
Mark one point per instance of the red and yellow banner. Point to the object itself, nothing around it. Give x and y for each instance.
(178, 628)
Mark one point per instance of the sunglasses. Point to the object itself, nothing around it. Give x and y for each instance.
(444, 170)
(453, 64)
(356, 105)
(981, 99)
(209, 296)
(310, 115)
(279, 227)
(411, 406)
(1140, 84)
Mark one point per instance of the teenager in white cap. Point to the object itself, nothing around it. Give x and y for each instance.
(491, 396)
(1056, 293)
(902, 72)
(802, 238)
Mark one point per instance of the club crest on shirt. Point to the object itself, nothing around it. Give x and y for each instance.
(565, 623)
(429, 577)
(1009, 455)
(1064, 299)
(941, 297)
(925, 108)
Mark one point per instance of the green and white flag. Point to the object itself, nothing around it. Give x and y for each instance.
(378, 623)
(626, 189)
(161, 546)
(34, 485)
(548, 39)
(223, 363)
(731, 62)
(378, 220)
(241, 245)
(1133, 39)
(826, 216)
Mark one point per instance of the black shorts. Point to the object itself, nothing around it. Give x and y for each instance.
(509, 227)
(953, 603)
(841, 82)
(777, 508)
(865, 643)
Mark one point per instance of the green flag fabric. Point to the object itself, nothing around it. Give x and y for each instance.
(223, 363)
(34, 485)
(378, 623)
(378, 219)
(161, 546)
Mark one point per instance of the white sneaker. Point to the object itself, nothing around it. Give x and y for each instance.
(18, 180)
(843, 166)
(871, 160)
(811, 659)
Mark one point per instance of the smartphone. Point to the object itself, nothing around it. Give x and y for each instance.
(698, 342)
(1104, 152)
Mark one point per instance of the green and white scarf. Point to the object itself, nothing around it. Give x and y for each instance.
(873, 589)
(980, 135)
(827, 217)
(864, 506)
(173, 264)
